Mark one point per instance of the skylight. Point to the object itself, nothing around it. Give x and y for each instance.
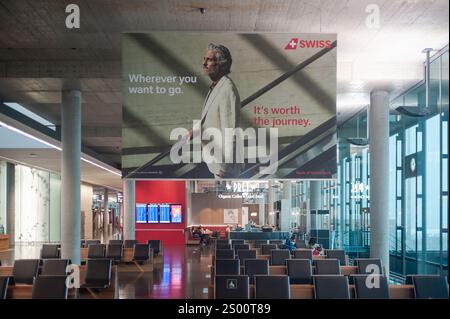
(19, 108)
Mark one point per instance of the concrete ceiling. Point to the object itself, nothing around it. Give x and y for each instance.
(37, 51)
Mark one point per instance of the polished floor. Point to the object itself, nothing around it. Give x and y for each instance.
(184, 274)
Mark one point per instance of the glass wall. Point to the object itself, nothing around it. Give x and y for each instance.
(418, 179)
(37, 205)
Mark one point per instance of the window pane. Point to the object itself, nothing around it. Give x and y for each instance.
(445, 249)
(410, 214)
(432, 183)
(444, 211)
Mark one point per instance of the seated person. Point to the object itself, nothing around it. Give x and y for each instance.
(205, 235)
(196, 232)
(290, 244)
(317, 248)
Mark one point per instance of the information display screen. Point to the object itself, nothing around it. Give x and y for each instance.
(141, 213)
(164, 213)
(175, 213)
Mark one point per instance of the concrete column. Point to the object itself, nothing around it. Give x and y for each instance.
(188, 209)
(105, 216)
(315, 200)
(314, 203)
(379, 181)
(128, 209)
(286, 207)
(70, 175)
(344, 151)
(268, 216)
(10, 202)
(261, 211)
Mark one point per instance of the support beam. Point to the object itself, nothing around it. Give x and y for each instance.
(286, 207)
(379, 183)
(128, 209)
(105, 216)
(70, 175)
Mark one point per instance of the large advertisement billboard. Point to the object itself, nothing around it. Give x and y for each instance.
(200, 105)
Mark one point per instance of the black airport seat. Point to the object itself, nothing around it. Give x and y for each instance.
(300, 244)
(4, 281)
(276, 242)
(237, 242)
(430, 287)
(337, 254)
(141, 252)
(24, 270)
(223, 246)
(227, 267)
(91, 242)
(222, 242)
(370, 287)
(327, 267)
(260, 242)
(331, 287)
(231, 287)
(98, 273)
(114, 252)
(155, 244)
(49, 287)
(115, 242)
(265, 249)
(369, 266)
(129, 243)
(303, 254)
(54, 267)
(240, 247)
(278, 257)
(246, 254)
(299, 271)
(224, 254)
(49, 251)
(96, 251)
(254, 267)
(272, 287)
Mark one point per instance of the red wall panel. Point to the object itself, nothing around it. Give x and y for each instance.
(172, 192)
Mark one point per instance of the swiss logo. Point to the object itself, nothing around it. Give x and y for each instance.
(292, 45)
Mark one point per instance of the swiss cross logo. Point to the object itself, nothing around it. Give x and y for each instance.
(296, 43)
(292, 45)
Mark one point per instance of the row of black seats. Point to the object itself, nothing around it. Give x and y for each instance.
(258, 243)
(97, 250)
(278, 256)
(299, 270)
(155, 244)
(325, 287)
(49, 282)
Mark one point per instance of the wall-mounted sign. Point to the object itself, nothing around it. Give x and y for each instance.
(222, 105)
(359, 191)
(242, 195)
(230, 216)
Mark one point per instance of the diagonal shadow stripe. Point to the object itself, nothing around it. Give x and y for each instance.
(142, 128)
(167, 58)
(303, 80)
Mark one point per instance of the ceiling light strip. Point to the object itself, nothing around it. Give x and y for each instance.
(55, 147)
